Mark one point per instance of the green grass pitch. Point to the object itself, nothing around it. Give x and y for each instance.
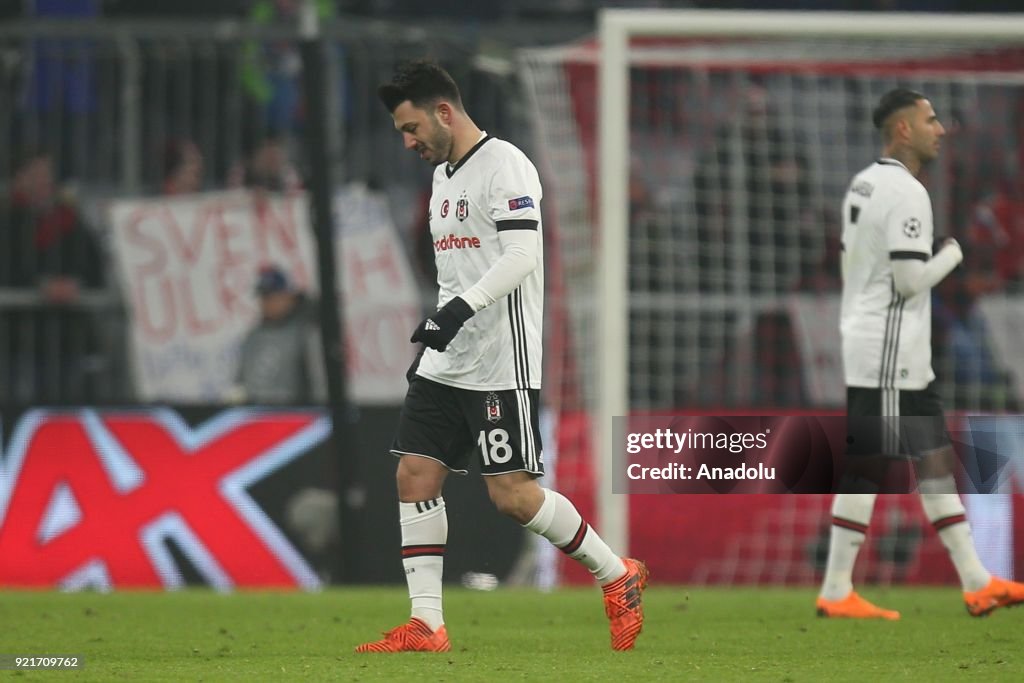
(712, 634)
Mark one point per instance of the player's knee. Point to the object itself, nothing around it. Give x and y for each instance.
(418, 479)
(506, 501)
(518, 500)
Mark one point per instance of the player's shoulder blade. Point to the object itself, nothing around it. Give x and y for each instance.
(864, 183)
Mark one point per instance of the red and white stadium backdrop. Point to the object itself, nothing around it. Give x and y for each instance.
(189, 265)
(768, 539)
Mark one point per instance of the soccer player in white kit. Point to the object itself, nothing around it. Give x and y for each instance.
(885, 321)
(476, 388)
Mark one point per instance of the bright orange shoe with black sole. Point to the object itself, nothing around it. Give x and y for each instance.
(414, 636)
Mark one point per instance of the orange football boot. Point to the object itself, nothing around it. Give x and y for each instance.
(414, 636)
(853, 607)
(622, 604)
(998, 593)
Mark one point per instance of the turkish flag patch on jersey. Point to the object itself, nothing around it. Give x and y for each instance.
(520, 203)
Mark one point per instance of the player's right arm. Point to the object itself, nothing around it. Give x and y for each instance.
(909, 231)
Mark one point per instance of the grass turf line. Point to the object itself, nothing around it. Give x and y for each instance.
(696, 634)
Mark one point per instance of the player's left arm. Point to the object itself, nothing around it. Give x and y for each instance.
(513, 199)
(518, 259)
(909, 236)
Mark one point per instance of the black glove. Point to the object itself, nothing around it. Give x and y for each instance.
(438, 329)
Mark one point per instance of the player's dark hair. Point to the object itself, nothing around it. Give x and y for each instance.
(892, 102)
(422, 82)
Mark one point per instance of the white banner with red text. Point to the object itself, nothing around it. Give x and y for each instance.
(187, 267)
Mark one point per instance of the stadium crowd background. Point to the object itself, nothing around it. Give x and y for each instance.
(117, 100)
(63, 159)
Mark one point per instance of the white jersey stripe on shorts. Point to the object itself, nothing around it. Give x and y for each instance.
(530, 446)
(523, 448)
(534, 430)
(890, 427)
(524, 429)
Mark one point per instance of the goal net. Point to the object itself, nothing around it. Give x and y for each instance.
(693, 186)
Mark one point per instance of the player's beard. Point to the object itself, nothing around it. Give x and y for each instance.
(928, 157)
(439, 144)
(927, 151)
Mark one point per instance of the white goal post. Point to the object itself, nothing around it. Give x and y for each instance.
(617, 28)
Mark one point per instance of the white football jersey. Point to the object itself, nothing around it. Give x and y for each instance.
(887, 338)
(499, 348)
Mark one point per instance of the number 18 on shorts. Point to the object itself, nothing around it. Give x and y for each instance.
(452, 425)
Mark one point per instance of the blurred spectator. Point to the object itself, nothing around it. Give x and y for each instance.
(770, 206)
(61, 85)
(997, 227)
(753, 183)
(274, 359)
(823, 273)
(49, 250)
(267, 168)
(653, 264)
(189, 9)
(183, 168)
(993, 242)
(966, 338)
(778, 375)
(272, 70)
(651, 259)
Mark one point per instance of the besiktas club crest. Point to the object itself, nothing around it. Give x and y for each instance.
(492, 404)
(462, 209)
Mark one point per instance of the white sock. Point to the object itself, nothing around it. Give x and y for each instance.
(851, 514)
(424, 535)
(559, 522)
(946, 513)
